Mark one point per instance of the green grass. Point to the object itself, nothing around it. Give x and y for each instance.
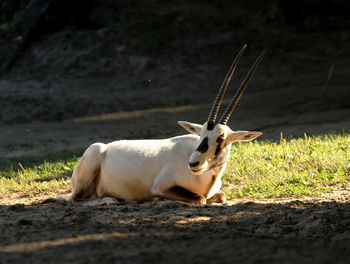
(259, 169)
(36, 178)
(296, 167)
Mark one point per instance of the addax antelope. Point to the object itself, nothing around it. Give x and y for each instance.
(185, 168)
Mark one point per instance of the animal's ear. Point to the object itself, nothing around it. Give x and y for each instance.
(191, 127)
(243, 136)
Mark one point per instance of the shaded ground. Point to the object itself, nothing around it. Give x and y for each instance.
(173, 232)
(40, 139)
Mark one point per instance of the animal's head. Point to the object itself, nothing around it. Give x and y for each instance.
(216, 137)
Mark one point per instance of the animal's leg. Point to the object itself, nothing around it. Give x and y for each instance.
(99, 201)
(219, 197)
(86, 173)
(178, 193)
(165, 187)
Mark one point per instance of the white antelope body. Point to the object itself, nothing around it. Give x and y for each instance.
(186, 168)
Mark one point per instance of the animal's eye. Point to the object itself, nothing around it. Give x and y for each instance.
(220, 139)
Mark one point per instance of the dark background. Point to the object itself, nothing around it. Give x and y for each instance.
(77, 60)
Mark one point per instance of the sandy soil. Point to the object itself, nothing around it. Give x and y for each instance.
(279, 231)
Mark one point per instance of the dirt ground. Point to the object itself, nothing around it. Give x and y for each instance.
(76, 87)
(278, 231)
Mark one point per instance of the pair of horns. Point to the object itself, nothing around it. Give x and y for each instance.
(214, 110)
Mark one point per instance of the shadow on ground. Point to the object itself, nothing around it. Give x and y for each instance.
(173, 232)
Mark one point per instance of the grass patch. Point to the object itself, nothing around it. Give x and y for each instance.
(296, 167)
(260, 169)
(36, 178)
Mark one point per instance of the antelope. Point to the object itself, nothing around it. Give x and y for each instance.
(185, 168)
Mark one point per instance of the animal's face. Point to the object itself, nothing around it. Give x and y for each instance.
(216, 137)
(214, 145)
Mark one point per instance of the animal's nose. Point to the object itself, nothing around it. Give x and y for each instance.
(194, 164)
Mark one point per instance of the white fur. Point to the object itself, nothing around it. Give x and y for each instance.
(142, 169)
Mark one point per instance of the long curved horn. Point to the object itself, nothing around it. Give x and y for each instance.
(221, 93)
(234, 102)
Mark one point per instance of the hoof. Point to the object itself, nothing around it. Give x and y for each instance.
(219, 197)
(200, 201)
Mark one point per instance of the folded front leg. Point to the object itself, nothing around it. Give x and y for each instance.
(165, 185)
(219, 197)
(178, 193)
